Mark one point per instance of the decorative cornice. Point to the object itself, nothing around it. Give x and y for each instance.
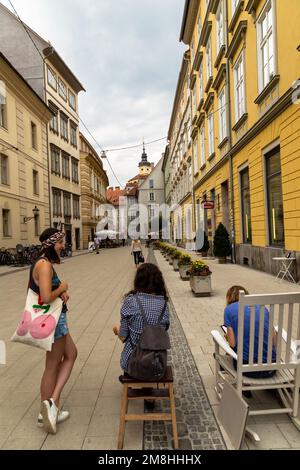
(240, 122)
(208, 85)
(237, 38)
(223, 143)
(200, 104)
(197, 61)
(193, 78)
(200, 119)
(268, 88)
(236, 15)
(206, 30)
(220, 56)
(219, 78)
(215, 6)
(194, 132)
(251, 5)
(209, 100)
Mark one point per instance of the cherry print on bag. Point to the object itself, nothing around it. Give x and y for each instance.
(25, 324)
(42, 326)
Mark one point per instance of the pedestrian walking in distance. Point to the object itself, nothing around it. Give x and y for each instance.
(60, 360)
(136, 250)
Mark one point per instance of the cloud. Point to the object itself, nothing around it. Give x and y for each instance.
(127, 56)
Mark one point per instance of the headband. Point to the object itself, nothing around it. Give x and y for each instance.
(51, 241)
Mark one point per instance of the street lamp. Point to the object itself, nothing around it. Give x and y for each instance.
(35, 211)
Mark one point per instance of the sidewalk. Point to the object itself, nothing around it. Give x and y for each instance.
(198, 316)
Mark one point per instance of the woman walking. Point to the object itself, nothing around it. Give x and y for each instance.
(60, 361)
(136, 250)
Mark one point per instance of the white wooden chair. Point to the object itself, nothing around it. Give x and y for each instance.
(284, 309)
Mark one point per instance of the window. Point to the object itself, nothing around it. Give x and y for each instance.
(73, 134)
(234, 4)
(33, 136)
(3, 169)
(211, 134)
(208, 59)
(151, 197)
(194, 101)
(65, 166)
(266, 46)
(239, 84)
(67, 205)
(222, 115)
(56, 196)
(35, 178)
(55, 160)
(220, 27)
(72, 100)
(76, 207)
(151, 184)
(52, 80)
(199, 26)
(195, 149)
(62, 89)
(75, 174)
(192, 52)
(54, 121)
(274, 192)
(6, 222)
(64, 126)
(202, 147)
(245, 206)
(201, 82)
(3, 107)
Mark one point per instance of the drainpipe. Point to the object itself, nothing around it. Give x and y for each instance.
(232, 215)
(48, 148)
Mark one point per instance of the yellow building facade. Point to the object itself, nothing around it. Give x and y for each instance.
(245, 63)
(24, 173)
(94, 182)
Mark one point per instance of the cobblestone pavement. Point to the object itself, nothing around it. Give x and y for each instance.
(198, 316)
(197, 426)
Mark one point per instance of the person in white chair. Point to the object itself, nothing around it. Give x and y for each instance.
(231, 313)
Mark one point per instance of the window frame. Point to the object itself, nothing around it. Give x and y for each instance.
(5, 158)
(239, 62)
(34, 136)
(270, 5)
(64, 126)
(62, 85)
(211, 133)
(36, 184)
(73, 128)
(3, 111)
(220, 13)
(208, 53)
(56, 166)
(247, 239)
(54, 76)
(70, 93)
(222, 115)
(195, 156)
(65, 157)
(75, 174)
(202, 146)
(9, 232)
(267, 155)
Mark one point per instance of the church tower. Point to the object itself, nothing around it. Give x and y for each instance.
(145, 167)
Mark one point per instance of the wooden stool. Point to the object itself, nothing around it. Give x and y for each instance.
(133, 390)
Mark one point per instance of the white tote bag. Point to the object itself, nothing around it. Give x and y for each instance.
(38, 322)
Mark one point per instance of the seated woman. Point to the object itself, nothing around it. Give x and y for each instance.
(149, 288)
(231, 322)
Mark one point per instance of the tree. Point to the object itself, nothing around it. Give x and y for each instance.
(222, 245)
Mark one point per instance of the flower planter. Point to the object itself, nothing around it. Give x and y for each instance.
(175, 264)
(183, 271)
(170, 261)
(201, 285)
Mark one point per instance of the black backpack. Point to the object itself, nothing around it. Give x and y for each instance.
(148, 360)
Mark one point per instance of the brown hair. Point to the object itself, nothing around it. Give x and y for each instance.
(149, 280)
(233, 294)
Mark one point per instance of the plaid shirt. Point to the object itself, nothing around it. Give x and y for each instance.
(132, 323)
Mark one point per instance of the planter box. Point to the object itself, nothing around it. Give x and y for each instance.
(170, 261)
(201, 285)
(183, 272)
(175, 264)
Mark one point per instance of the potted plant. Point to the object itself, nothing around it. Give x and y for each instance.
(184, 265)
(171, 253)
(200, 279)
(176, 257)
(205, 248)
(222, 245)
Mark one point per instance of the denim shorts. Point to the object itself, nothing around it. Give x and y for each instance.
(62, 328)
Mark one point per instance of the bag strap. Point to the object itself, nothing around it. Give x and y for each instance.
(142, 310)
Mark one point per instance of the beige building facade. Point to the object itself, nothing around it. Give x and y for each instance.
(94, 182)
(24, 175)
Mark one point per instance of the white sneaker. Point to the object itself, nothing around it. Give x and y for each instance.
(61, 417)
(49, 413)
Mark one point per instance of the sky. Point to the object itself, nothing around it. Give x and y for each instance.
(127, 55)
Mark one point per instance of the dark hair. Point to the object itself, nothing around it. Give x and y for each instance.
(149, 280)
(49, 252)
